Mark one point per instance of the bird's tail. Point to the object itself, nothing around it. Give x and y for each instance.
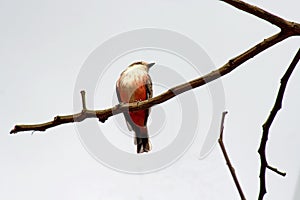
(142, 140)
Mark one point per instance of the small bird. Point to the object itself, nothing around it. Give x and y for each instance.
(134, 85)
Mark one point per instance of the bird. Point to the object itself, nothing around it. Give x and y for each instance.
(135, 85)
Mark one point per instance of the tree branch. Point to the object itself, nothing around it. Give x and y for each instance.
(266, 126)
(273, 19)
(290, 29)
(230, 167)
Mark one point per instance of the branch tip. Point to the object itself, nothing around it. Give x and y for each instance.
(276, 170)
(82, 92)
(222, 125)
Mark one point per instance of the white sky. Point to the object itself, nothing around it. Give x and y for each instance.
(43, 45)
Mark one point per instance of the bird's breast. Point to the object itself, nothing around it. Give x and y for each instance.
(132, 86)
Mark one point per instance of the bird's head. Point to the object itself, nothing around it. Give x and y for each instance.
(142, 64)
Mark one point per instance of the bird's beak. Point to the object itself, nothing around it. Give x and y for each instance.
(150, 65)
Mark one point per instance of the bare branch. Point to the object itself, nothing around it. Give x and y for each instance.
(273, 19)
(230, 167)
(103, 115)
(291, 29)
(266, 126)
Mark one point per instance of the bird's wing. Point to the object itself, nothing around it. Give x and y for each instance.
(149, 93)
(127, 117)
(149, 87)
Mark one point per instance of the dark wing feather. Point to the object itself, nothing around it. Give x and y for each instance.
(149, 93)
(149, 88)
(118, 94)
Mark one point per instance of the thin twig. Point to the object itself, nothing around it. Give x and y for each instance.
(230, 167)
(83, 100)
(266, 126)
(222, 124)
(290, 29)
(276, 170)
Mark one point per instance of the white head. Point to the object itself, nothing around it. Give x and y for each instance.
(141, 64)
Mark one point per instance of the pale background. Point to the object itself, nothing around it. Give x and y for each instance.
(43, 45)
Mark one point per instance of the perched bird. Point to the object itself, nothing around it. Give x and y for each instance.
(133, 85)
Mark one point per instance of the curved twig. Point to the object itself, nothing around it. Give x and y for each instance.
(266, 126)
(228, 162)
